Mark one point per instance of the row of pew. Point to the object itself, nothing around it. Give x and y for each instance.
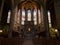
(11, 41)
(45, 41)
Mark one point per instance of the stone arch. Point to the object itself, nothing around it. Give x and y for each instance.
(29, 3)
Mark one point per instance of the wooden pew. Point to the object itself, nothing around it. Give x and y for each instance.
(45, 41)
(11, 41)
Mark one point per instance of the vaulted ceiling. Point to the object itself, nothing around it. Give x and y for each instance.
(20, 1)
(9, 2)
(37, 1)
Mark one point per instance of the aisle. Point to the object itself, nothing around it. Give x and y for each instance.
(28, 42)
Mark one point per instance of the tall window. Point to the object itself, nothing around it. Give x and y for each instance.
(29, 15)
(8, 18)
(49, 18)
(35, 17)
(39, 16)
(18, 21)
(23, 16)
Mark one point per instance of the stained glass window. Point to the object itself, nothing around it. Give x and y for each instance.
(29, 15)
(39, 16)
(49, 18)
(18, 21)
(35, 17)
(8, 18)
(23, 17)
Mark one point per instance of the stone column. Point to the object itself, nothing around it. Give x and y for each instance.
(26, 15)
(1, 9)
(15, 23)
(42, 22)
(57, 13)
(32, 14)
(45, 16)
(20, 17)
(11, 19)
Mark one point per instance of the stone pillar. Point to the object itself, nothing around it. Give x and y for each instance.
(20, 17)
(42, 21)
(57, 13)
(45, 16)
(26, 15)
(1, 9)
(11, 19)
(32, 15)
(15, 23)
(53, 18)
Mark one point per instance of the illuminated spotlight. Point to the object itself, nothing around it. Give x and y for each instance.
(1, 31)
(56, 30)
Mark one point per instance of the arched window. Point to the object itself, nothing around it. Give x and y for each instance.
(8, 18)
(35, 17)
(49, 19)
(23, 16)
(29, 15)
(39, 16)
(18, 21)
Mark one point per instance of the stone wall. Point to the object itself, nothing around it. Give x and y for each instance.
(57, 11)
